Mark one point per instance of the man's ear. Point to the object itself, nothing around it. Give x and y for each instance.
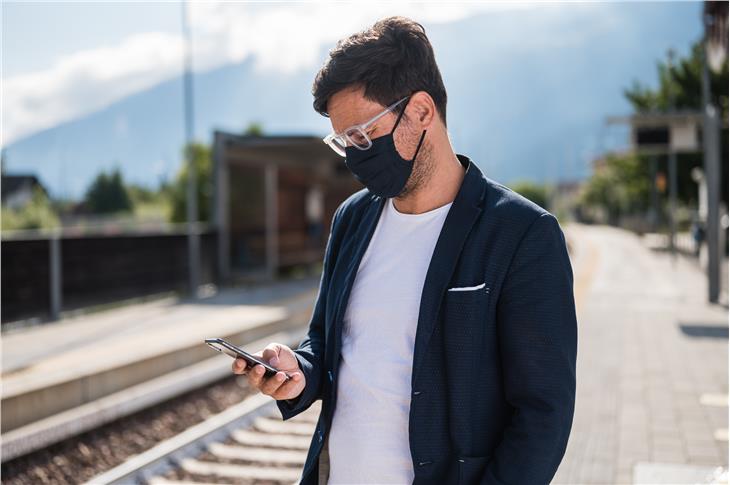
(421, 109)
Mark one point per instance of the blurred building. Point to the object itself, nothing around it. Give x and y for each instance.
(275, 197)
(274, 200)
(17, 190)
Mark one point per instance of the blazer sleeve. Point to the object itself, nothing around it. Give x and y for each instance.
(310, 352)
(537, 329)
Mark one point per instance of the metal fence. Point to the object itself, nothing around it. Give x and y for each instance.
(46, 273)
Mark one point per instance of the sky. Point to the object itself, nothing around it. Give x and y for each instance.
(62, 60)
(70, 71)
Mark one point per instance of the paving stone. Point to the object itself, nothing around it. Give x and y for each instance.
(640, 376)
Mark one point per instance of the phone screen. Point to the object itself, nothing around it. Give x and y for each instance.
(229, 349)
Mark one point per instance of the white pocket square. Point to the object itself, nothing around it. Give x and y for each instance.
(467, 288)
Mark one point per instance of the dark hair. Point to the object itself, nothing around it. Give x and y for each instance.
(390, 60)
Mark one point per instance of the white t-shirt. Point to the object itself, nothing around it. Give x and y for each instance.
(368, 440)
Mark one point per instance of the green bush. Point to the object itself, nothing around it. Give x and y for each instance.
(36, 214)
(622, 186)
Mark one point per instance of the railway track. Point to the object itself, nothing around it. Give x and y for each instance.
(248, 443)
(161, 429)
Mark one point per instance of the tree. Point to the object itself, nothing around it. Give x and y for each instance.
(537, 193)
(680, 86)
(254, 129)
(202, 159)
(107, 194)
(621, 186)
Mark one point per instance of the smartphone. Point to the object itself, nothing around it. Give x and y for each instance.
(228, 348)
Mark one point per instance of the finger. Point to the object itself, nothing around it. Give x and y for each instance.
(255, 376)
(273, 383)
(239, 365)
(288, 386)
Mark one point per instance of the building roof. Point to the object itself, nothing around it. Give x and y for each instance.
(656, 118)
(277, 149)
(10, 184)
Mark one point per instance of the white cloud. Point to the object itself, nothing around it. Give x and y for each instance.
(283, 37)
(86, 81)
(288, 37)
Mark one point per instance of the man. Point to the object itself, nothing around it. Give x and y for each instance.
(443, 340)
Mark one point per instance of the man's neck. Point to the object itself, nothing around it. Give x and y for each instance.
(439, 190)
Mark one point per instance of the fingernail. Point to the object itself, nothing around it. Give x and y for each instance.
(274, 361)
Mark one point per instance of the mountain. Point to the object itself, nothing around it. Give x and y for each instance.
(528, 94)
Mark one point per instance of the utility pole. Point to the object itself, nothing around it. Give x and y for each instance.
(672, 165)
(711, 141)
(192, 197)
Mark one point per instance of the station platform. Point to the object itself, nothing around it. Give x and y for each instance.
(51, 368)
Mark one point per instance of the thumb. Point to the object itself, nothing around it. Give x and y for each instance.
(271, 353)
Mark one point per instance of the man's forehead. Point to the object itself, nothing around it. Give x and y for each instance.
(350, 107)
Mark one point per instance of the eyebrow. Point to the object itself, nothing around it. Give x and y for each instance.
(370, 118)
(366, 119)
(357, 123)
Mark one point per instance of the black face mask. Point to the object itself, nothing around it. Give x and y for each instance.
(380, 168)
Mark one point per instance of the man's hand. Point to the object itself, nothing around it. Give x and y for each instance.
(281, 357)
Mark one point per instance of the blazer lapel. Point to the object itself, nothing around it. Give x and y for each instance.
(457, 225)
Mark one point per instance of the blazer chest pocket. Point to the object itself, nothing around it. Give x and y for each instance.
(465, 311)
(464, 303)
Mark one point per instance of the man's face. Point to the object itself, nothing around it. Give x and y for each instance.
(349, 107)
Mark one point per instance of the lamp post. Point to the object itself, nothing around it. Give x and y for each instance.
(711, 141)
(192, 199)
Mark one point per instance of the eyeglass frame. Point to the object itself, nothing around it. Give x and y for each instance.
(362, 127)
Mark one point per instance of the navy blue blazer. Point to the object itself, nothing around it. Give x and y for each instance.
(493, 378)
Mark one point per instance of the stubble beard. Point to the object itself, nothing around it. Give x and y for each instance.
(423, 168)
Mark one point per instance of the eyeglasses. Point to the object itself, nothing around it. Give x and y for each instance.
(356, 135)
